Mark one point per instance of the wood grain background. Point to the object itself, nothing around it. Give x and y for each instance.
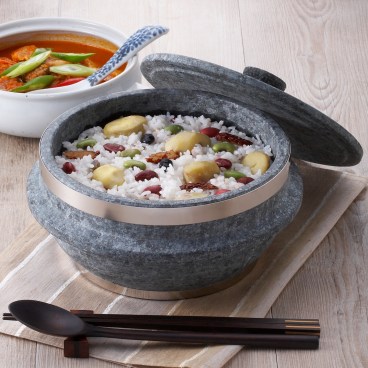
(320, 48)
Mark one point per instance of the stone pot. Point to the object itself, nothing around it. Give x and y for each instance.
(167, 249)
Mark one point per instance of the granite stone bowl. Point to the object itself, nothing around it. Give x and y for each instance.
(159, 249)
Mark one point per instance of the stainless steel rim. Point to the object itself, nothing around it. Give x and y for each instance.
(168, 216)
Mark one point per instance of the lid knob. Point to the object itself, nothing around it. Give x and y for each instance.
(265, 77)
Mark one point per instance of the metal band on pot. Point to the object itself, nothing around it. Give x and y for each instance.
(165, 216)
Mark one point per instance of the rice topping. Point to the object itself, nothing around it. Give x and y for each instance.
(158, 158)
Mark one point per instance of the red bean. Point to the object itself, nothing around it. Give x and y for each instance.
(68, 167)
(154, 189)
(113, 147)
(220, 191)
(223, 162)
(146, 175)
(210, 132)
(245, 180)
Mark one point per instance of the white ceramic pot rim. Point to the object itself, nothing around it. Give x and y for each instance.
(66, 25)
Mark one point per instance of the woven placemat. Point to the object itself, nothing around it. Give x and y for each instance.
(35, 267)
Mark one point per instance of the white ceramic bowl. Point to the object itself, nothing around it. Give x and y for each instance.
(27, 114)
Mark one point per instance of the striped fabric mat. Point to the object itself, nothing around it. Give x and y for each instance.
(35, 267)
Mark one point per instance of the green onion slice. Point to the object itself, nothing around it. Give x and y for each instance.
(71, 57)
(39, 51)
(75, 70)
(29, 65)
(12, 67)
(36, 83)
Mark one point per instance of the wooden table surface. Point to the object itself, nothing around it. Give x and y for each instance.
(320, 48)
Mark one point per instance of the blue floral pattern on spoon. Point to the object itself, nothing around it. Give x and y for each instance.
(133, 44)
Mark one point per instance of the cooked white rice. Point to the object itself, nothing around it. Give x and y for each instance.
(170, 178)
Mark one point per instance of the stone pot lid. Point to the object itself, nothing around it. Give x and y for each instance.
(314, 136)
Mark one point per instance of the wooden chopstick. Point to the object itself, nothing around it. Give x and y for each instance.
(266, 335)
(202, 323)
(258, 340)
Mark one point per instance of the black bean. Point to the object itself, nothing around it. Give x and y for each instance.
(165, 162)
(148, 138)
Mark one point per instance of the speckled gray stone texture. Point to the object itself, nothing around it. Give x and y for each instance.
(163, 258)
(314, 136)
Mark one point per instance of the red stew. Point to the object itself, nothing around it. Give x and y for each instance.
(35, 78)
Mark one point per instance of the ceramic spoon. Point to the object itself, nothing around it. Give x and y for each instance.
(52, 320)
(136, 42)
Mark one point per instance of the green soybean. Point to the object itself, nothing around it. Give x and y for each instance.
(130, 152)
(88, 142)
(234, 174)
(174, 128)
(134, 163)
(223, 146)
